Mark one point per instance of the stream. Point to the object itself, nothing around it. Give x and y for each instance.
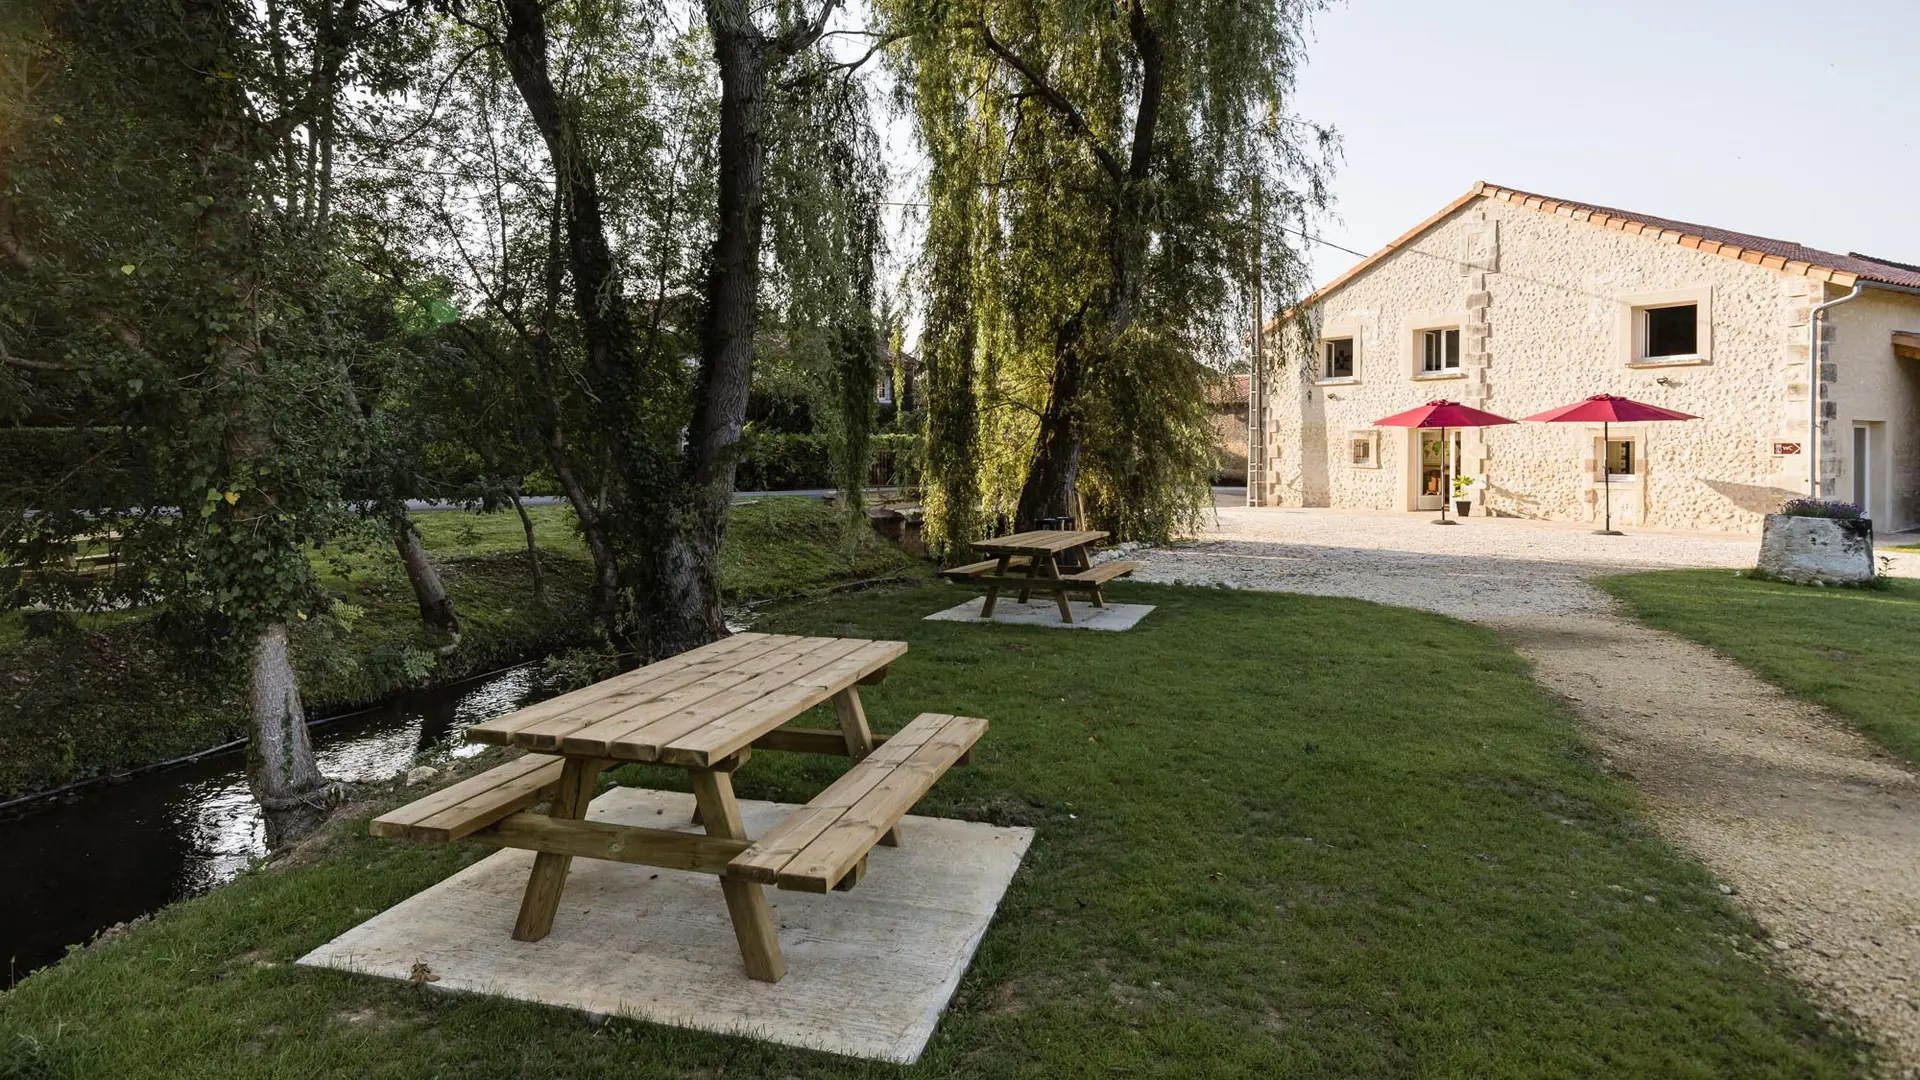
(114, 852)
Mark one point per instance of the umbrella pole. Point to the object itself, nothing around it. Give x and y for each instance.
(1606, 479)
(1446, 477)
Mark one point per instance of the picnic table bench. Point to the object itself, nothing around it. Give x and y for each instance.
(1055, 561)
(706, 711)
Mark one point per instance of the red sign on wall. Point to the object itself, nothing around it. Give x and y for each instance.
(1782, 449)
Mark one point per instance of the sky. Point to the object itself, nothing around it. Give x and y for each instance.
(1794, 121)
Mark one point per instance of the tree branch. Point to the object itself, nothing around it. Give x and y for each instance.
(805, 34)
(11, 360)
(1146, 40)
(1054, 98)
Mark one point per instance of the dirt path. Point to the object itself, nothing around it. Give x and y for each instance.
(1814, 827)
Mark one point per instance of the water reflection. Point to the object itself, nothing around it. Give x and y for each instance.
(117, 852)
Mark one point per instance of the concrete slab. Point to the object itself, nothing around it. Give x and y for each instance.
(868, 971)
(1046, 612)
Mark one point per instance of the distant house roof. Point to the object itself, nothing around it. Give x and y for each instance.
(1783, 255)
(1228, 390)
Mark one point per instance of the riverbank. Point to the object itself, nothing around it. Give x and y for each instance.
(1290, 866)
(110, 694)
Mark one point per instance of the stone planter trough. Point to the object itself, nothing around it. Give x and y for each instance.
(1816, 550)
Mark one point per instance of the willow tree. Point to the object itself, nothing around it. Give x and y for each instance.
(1095, 169)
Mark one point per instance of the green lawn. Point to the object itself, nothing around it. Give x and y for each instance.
(1277, 836)
(1851, 650)
(114, 695)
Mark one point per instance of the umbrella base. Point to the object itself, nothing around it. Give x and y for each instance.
(1608, 532)
(1443, 521)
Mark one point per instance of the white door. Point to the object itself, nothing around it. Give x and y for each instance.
(1868, 451)
(1429, 489)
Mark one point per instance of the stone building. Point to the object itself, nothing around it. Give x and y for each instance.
(1227, 406)
(1515, 303)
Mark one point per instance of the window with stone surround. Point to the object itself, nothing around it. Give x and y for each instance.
(1667, 328)
(1336, 358)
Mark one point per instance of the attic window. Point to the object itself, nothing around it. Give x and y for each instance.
(1672, 331)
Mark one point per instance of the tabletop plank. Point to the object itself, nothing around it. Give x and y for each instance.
(500, 729)
(725, 735)
(546, 735)
(692, 703)
(1040, 541)
(647, 743)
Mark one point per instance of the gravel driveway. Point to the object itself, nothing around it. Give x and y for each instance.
(1478, 569)
(1812, 828)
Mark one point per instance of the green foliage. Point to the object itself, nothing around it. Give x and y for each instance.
(793, 462)
(1103, 184)
(173, 277)
(1296, 867)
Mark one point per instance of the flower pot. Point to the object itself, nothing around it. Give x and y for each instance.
(1461, 506)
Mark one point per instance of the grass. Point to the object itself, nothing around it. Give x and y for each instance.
(1276, 836)
(1848, 649)
(115, 695)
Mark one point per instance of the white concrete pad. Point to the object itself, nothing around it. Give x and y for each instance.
(868, 971)
(1045, 611)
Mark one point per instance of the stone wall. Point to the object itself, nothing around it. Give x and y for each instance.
(1544, 303)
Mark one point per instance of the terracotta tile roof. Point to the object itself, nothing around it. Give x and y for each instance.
(1765, 251)
(1783, 255)
(1230, 390)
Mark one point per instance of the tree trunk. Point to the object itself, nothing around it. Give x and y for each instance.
(281, 771)
(436, 607)
(1054, 474)
(533, 550)
(684, 609)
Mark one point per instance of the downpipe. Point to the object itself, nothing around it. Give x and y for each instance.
(1813, 386)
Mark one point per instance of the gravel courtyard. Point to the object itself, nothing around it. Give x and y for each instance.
(1813, 828)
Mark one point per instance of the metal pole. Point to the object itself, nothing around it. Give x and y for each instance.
(1256, 422)
(1446, 476)
(1606, 478)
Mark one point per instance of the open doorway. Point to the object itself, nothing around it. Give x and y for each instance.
(1437, 459)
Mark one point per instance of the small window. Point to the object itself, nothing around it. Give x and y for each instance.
(1439, 350)
(1338, 363)
(1673, 331)
(1363, 449)
(1620, 460)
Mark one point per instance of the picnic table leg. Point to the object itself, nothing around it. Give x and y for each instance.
(1086, 563)
(1059, 590)
(1033, 576)
(746, 901)
(549, 877)
(993, 591)
(853, 725)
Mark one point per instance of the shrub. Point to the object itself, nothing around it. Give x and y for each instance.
(1823, 508)
(788, 462)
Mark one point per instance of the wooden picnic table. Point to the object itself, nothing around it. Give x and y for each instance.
(1044, 554)
(704, 711)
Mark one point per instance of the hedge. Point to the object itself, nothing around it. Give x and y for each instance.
(775, 462)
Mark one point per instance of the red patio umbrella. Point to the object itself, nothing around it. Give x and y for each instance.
(1605, 409)
(1443, 415)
